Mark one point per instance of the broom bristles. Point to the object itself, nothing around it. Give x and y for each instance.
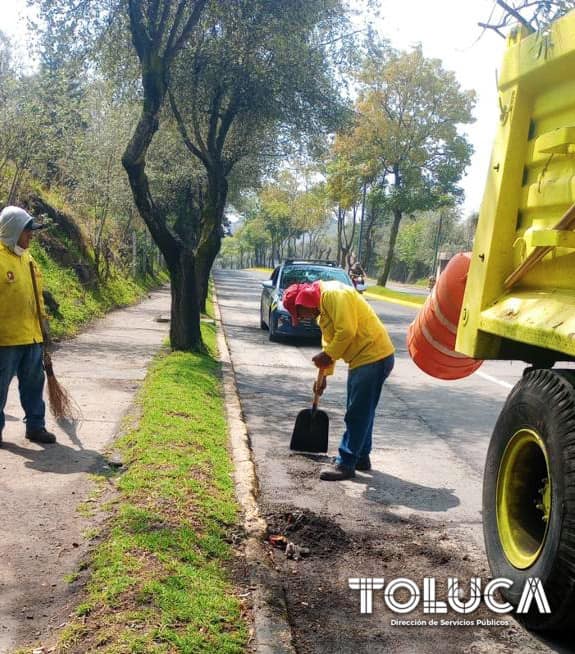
(61, 403)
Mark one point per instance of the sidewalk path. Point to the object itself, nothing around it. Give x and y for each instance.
(41, 487)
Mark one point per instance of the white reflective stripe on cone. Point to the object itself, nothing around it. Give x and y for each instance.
(437, 311)
(439, 347)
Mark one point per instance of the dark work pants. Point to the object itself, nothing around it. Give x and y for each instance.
(24, 362)
(364, 386)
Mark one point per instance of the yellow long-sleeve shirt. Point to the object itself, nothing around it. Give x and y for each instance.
(18, 314)
(350, 328)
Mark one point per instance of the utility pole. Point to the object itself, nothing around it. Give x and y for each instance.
(437, 243)
(361, 224)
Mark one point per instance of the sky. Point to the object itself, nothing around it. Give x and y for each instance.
(448, 30)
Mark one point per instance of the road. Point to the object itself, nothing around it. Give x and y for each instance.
(416, 514)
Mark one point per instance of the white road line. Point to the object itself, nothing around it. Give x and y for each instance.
(494, 380)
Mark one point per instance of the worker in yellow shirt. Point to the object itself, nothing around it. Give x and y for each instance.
(21, 339)
(350, 331)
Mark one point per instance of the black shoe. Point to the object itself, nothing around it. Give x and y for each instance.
(337, 473)
(364, 464)
(40, 435)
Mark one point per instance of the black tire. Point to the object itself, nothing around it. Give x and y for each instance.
(272, 336)
(528, 522)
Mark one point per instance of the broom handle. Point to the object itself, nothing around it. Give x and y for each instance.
(318, 382)
(567, 222)
(37, 298)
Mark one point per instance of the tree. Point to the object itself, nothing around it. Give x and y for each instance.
(257, 74)
(312, 213)
(244, 78)
(408, 113)
(101, 191)
(424, 235)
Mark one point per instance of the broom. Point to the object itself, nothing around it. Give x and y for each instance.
(61, 404)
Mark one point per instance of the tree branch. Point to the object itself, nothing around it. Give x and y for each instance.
(174, 46)
(184, 132)
(518, 17)
(140, 37)
(153, 13)
(495, 28)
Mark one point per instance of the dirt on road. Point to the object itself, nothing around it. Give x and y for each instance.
(324, 613)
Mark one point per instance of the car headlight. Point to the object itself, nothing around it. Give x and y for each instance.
(284, 320)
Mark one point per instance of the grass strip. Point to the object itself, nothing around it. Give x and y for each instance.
(387, 294)
(160, 579)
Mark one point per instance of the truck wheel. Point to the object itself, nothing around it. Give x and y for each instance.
(529, 495)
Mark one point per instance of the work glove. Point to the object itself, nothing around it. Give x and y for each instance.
(322, 360)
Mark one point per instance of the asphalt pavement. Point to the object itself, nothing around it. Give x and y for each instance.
(430, 440)
(442, 427)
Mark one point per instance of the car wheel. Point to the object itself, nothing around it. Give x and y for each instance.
(529, 495)
(273, 337)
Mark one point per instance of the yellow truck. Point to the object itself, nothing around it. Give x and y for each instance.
(519, 304)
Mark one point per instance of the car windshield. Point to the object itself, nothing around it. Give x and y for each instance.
(307, 274)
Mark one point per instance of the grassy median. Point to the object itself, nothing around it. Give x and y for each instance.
(160, 579)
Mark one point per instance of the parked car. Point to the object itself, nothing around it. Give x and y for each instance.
(273, 316)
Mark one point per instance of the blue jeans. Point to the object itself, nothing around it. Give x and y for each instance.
(363, 391)
(24, 361)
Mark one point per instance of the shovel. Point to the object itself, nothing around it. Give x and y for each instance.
(310, 433)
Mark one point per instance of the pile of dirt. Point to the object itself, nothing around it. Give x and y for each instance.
(324, 612)
(320, 535)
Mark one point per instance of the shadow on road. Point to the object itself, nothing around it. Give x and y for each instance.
(391, 491)
(60, 459)
(394, 491)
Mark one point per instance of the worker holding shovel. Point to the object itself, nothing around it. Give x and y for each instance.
(21, 335)
(350, 331)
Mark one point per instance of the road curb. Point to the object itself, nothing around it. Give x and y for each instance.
(271, 626)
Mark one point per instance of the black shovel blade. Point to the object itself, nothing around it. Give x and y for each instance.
(311, 430)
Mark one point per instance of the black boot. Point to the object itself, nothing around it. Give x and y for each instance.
(337, 473)
(364, 464)
(40, 435)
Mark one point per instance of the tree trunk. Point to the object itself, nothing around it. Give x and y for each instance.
(205, 257)
(211, 235)
(185, 318)
(185, 331)
(397, 216)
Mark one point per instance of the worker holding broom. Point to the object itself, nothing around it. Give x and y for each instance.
(21, 339)
(350, 331)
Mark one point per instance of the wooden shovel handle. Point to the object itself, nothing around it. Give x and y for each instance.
(318, 383)
(37, 299)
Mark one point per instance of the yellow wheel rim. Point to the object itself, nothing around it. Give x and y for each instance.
(523, 498)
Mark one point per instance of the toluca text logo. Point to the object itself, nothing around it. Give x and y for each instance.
(412, 595)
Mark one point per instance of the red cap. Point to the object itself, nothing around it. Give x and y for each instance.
(305, 295)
